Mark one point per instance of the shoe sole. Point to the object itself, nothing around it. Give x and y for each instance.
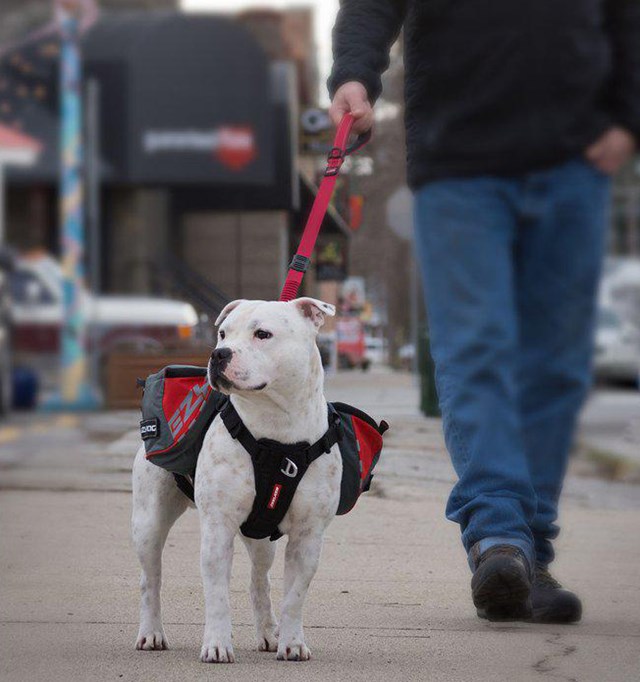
(556, 615)
(502, 593)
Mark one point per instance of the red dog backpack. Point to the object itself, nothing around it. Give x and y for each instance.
(178, 406)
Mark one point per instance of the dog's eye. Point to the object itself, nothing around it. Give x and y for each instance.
(221, 333)
(262, 334)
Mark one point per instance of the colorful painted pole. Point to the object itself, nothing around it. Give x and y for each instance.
(75, 392)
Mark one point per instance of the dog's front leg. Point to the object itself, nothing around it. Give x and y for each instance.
(216, 556)
(301, 562)
(157, 504)
(262, 553)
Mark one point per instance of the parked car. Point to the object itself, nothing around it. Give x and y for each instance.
(375, 350)
(617, 348)
(6, 265)
(37, 314)
(620, 288)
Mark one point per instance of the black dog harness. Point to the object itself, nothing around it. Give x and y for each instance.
(278, 469)
(179, 406)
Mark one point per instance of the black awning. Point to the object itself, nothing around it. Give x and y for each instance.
(185, 100)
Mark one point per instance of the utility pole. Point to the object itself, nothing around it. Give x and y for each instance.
(75, 391)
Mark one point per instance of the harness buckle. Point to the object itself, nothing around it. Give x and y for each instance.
(235, 429)
(336, 424)
(325, 444)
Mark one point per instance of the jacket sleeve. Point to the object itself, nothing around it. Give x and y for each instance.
(362, 36)
(623, 21)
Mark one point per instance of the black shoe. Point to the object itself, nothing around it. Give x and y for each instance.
(550, 602)
(501, 584)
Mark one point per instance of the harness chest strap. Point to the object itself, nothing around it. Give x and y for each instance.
(278, 469)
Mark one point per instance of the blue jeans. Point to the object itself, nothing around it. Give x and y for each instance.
(510, 268)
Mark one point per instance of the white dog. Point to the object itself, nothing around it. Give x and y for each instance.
(267, 360)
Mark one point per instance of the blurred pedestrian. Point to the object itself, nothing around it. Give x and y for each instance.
(517, 113)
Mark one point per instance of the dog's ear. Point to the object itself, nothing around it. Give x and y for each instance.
(227, 309)
(314, 310)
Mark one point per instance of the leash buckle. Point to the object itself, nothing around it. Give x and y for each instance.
(299, 263)
(334, 161)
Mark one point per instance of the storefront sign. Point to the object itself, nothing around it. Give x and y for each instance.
(233, 146)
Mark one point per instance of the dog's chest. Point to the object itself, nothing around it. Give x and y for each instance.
(225, 478)
(224, 475)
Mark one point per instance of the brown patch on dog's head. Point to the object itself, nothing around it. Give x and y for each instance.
(314, 310)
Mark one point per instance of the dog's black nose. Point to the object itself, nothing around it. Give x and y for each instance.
(220, 358)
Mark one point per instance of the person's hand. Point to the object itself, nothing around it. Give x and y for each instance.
(352, 98)
(611, 150)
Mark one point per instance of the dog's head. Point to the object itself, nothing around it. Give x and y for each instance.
(267, 345)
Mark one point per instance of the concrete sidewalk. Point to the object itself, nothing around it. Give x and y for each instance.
(391, 598)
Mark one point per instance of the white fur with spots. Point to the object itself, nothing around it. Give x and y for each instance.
(276, 385)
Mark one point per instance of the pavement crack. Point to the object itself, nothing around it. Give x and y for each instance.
(548, 665)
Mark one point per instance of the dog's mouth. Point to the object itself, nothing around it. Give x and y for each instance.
(259, 387)
(226, 386)
(223, 384)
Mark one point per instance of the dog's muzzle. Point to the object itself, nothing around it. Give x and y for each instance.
(218, 362)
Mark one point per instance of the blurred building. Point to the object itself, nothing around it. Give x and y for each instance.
(20, 17)
(288, 35)
(199, 191)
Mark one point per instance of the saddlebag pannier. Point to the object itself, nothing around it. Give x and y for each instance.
(178, 406)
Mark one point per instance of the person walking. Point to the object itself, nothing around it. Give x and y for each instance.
(517, 114)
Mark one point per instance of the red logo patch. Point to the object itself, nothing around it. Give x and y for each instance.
(275, 494)
(236, 147)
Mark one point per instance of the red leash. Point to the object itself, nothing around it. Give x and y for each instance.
(339, 151)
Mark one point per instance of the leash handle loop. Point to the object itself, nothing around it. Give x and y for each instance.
(337, 155)
(361, 140)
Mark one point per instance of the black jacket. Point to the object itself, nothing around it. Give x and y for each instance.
(497, 86)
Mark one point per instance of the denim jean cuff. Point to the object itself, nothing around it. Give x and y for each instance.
(486, 543)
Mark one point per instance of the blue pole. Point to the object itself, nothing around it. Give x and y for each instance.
(75, 391)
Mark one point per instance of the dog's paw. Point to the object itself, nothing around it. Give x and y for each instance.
(151, 641)
(268, 639)
(294, 651)
(217, 652)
